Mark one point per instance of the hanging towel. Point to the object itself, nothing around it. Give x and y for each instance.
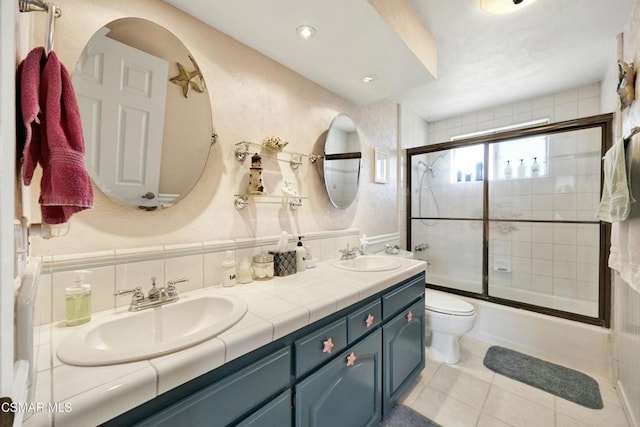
(53, 138)
(624, 255)
(615, 204)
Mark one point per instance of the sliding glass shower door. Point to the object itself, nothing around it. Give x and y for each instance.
(447, 215)
(510, 217)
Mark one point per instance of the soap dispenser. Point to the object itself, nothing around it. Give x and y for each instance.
(77, 302)
(535, 168)
(300, 254)
(522, 169)
(507, 170)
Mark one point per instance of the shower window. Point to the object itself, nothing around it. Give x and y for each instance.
(527, 238)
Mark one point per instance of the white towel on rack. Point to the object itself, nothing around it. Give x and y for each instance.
(615, 204)
(624, 255)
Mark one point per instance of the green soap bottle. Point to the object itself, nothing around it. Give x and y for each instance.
(78, 300)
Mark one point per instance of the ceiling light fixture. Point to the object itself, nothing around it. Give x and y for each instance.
(370, 78)
(305, 31)
(501, 7)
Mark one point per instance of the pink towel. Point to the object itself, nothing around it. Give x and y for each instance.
(55, 141)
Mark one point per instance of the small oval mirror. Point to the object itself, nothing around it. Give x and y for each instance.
(341, 161)
(147, 139)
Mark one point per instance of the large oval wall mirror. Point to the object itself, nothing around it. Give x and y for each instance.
(147, 139)
(341, 161)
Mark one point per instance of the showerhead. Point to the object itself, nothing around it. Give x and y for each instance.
(429, 167)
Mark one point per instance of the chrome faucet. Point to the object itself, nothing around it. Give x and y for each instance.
(155, 298)
(350, 253)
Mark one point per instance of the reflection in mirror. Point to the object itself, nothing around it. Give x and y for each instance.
(146, 144)
(342, 159)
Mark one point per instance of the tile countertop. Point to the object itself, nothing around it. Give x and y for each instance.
(92, 395)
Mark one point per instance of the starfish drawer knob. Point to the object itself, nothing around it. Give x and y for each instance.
(327, 346)
(351, 359)
(369, 320)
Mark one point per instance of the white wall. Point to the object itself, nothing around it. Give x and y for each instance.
(626, 314)
(252, 97)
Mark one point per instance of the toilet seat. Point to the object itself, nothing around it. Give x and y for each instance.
(447, 305)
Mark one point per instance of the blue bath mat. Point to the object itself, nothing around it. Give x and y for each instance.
(555, 379)
(403, 416)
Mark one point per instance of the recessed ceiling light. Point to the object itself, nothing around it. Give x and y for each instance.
(305, 31)
(501, 7)
(370, 78)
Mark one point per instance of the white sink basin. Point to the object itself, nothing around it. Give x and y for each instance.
(368, 263)
(126, 337)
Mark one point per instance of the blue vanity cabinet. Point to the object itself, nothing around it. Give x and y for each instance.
(230, 398)
(346, 391)
(347, 369)
(403, 352)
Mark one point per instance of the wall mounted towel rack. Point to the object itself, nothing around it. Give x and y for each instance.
(632, 132)
(53, 12)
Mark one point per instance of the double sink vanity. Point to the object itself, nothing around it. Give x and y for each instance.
(334, 345)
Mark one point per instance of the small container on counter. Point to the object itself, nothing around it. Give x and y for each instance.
(262, 267)
(244, 273)
(228, 270)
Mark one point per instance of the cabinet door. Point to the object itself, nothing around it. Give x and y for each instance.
(276, 413)
(345, 392)
(403, 346)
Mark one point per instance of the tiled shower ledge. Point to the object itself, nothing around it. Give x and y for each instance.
(275, 309)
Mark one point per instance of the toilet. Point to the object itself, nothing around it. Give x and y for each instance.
(447, 319)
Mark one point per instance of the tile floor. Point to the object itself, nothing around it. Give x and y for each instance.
(468, 394)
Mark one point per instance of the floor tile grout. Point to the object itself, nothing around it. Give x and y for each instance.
(568, 414)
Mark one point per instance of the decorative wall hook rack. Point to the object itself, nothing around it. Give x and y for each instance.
(245, 148)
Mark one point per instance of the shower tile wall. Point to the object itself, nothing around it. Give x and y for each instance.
(551, 265)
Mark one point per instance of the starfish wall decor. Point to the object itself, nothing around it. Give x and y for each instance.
(188, 80)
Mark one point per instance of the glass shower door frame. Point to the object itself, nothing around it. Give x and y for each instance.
(604, 123)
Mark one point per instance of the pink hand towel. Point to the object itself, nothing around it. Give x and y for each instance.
(56, 142)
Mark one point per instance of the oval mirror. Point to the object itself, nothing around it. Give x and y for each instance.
(147, 139)
(341, 161)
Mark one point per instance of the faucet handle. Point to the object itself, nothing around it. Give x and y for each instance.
(137, 293)
(171, 286)
(175, 282)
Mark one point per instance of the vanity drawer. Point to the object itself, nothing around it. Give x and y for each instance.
(359, 322)
(320, 345)
(396, 300)
(224, 401)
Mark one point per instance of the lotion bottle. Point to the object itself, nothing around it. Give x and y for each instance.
(507, 170)
(535, 167)
(522, 169)
(300, 254)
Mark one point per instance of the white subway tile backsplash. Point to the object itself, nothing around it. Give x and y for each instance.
(542, 251)
(189, 267)
(563, 112)
(588, 107)
(564, 270)
(542, 102)
(542, 267)
(565, 96)
(589, 91)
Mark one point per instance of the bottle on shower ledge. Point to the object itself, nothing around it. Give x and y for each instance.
(535, 168)
(522, 169)
(507, 170)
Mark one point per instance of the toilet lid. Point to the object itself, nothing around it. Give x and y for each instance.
(447, 305)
